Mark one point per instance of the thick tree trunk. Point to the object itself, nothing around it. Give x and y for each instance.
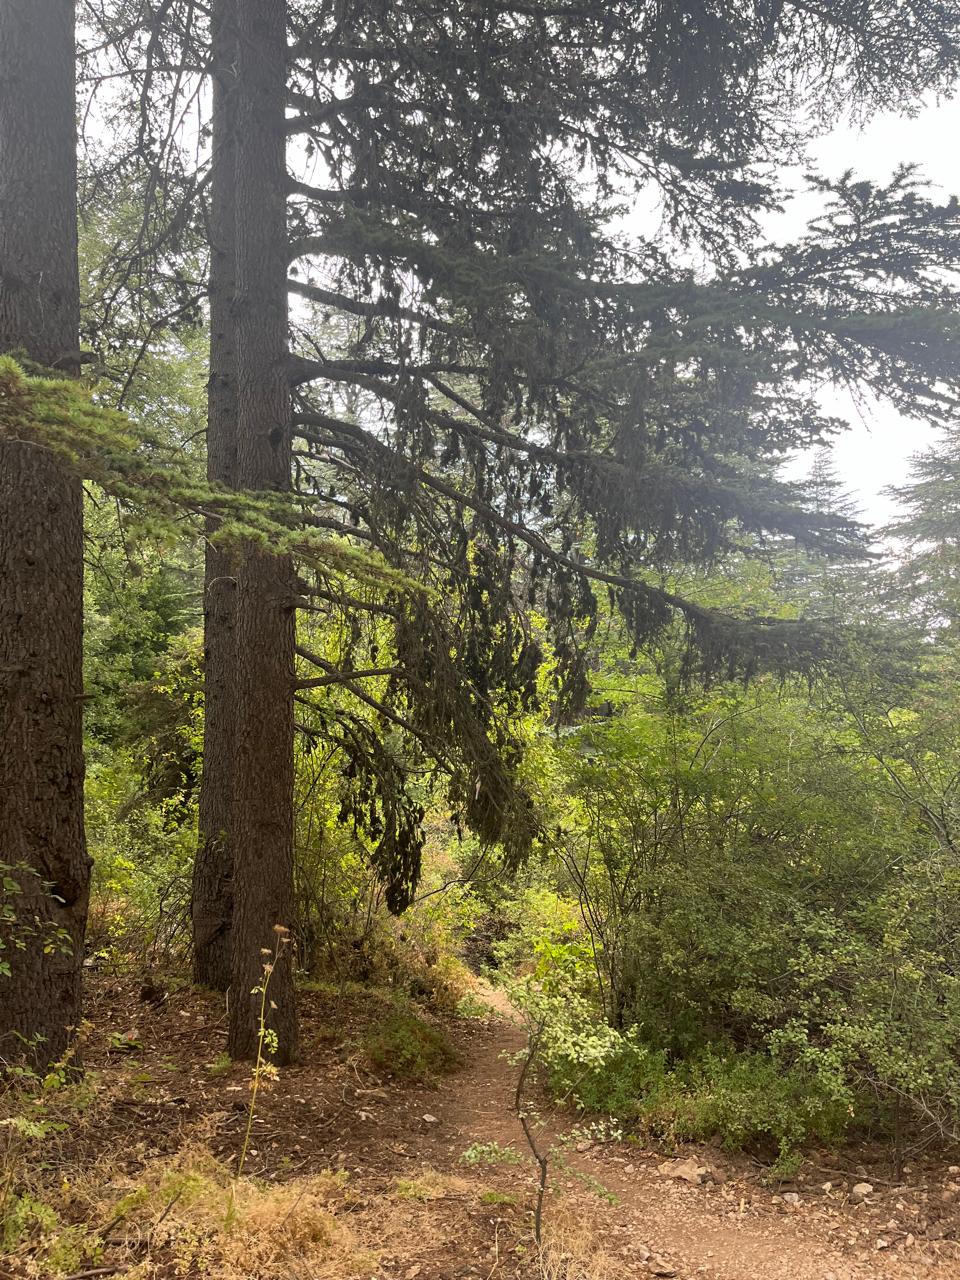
(263, 870)
(41, 545)
(212, 904)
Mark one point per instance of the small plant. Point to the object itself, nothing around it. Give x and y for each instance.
(124, 1042)
(220, 1066)
(471, 1006)
(266, 1039)
(607, 1129)
(490, 1153)
(528, 1119)
(33, 1128)
(24, 1216)
(34, 1103)
(24, 927)
(497, 1197)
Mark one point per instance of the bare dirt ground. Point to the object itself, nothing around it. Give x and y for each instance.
(728, 1228)
(406, 1203)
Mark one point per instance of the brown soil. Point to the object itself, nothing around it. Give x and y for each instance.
(414, 1208)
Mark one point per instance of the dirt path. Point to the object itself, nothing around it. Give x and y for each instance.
(411, 1207)
(728, 1229)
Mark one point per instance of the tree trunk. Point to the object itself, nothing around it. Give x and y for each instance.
(212, 903)
(263, 871)
(41, 545)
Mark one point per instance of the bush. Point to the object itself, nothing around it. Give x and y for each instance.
(742, 894)
(742, 1099)
(767, 1097)
(405, 1045)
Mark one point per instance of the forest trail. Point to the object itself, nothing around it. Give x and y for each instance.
(421, 1192)
(728, 1229)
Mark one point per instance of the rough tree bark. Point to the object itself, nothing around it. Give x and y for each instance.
(41, 543)
(263, 865)
(212, 903)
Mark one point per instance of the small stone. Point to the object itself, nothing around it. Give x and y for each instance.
(629, 1168)
(431, 1119)
(948, 1196)
(642, 1252)
(860, 1192)
(826, 1188)
(689, 1170)
(953, 1169)
(882, 1244)
(791, 1198)
(658, 1267)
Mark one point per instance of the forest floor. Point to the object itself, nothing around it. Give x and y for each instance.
(355, 1172)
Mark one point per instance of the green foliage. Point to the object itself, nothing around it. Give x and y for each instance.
(404, 1045)
(60, 1247)
(469, 1006)
(34, 1110)
(745, 1099)
(741, 1097)
(24, 1216)
(143, 854)
(490, 1153)
(22, 890)
(141, 602)
(155, 479)
(497, 1198)
(745, 925)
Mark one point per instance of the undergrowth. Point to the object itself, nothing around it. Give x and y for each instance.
(405, 1045)
(743, 1100)
(184, 1215)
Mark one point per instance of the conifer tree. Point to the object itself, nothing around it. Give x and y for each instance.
(826, 587)
(266, 585)
(212, 898)
(533, 405)
(926, 537)
(515, 397)
(46, 869)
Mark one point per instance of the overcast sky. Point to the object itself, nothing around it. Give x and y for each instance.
(875, 453)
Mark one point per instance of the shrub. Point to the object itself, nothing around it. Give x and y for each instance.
(743, 1099)
(407, 1046)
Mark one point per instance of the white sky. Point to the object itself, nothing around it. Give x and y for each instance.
(875, 453)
